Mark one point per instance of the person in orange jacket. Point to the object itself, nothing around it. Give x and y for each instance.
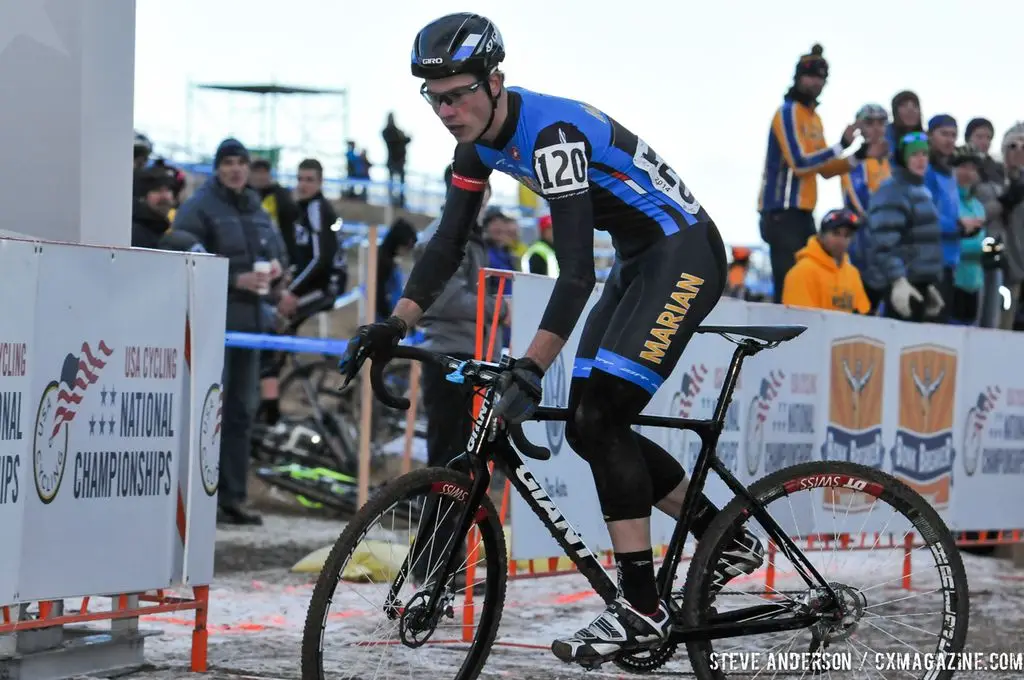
(823, 277)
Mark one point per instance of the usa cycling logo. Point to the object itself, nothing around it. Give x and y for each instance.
(555, 392)
(974, 427)
(757, 416)
(683, 402)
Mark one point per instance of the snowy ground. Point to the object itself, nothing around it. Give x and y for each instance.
(258, 609)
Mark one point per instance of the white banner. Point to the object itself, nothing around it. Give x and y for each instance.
(18, 262)
(989, 433)
(203, 382)
(939, 407)
(565, 476)
(106, 434)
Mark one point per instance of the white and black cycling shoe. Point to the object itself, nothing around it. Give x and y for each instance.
(744, 556)
(619, 628)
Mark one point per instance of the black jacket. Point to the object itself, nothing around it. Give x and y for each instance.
(312, 245)
(147, 225)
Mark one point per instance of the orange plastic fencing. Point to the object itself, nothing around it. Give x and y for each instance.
(155, 603)
(536, 567)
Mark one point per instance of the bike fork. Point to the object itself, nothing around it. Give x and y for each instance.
(481, 483)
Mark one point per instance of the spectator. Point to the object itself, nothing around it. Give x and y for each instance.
(979, 134)
(496, 238)
(797, 153)
(736, 278)
(864, 179)
(153, 201)
(399, 241)
(396, 141)
(906, 117)
(942, 133)
(904, 254)
(357, 168)
(226, 217)
(277, 200)
(142, 150)
(312, 246)
(969, 277)
(1010, 224)
(540, 258)
(516, 247)
(823, 277)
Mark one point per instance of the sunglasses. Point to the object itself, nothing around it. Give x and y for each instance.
(451, 97)
(1015, 146)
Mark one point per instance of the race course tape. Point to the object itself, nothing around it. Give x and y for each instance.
(297, 344)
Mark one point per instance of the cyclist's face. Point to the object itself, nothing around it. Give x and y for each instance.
(462, 104)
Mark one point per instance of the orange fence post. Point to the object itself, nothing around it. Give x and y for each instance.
(200, 636)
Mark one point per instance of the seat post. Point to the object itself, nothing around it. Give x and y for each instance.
(743, 349)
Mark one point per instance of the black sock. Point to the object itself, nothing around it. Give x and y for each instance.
(636, 580)
(706, 512)
(271, 411)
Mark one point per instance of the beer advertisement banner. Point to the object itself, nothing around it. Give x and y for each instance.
(204, 387)
(18, 262)
(923, 449)
(105, 427)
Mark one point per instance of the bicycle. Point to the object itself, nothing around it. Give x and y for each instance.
(830, 610)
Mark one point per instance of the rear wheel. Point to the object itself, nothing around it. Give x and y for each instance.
(828, 509)
(379, 634)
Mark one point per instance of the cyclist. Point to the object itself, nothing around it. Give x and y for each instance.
(670, 273)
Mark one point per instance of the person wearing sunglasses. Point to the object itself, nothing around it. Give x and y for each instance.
(1008, 224)
(904, 253)
(670, 272)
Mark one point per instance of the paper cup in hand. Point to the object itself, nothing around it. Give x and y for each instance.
(263, 267)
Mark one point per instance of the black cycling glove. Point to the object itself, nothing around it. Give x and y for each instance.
(520, 391)
(369, 339)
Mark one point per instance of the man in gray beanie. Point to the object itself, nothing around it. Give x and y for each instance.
(226, 217)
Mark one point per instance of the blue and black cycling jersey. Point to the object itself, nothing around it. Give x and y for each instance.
(594, 174)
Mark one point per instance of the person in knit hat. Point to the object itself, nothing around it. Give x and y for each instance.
(797, 154)
(969, 277)
(154, 198)
(226, 218)
(942, 133)
(1009, 225)
(906, 117)
(904, 254)
(979, 134)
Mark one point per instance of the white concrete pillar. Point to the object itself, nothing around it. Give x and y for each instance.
(67, 72)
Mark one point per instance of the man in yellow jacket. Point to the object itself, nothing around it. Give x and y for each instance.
(823, 277)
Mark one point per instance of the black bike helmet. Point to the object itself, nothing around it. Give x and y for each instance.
(455, 44)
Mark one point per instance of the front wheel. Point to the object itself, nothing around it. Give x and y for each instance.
(852, 523)
(402, 537)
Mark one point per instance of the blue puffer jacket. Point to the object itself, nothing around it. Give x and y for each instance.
(904, 238)
(940, 181)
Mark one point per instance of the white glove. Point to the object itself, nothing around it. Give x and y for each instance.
(935, 302)
(901, 295)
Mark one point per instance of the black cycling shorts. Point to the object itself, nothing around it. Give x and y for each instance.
(651, 306)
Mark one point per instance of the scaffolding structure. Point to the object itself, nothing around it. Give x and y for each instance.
(270, 95)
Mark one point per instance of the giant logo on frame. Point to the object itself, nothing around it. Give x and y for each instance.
(923, 453)
(854, 429)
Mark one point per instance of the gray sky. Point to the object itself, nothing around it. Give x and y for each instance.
(700, 85)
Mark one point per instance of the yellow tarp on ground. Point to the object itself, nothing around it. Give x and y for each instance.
(379, 560)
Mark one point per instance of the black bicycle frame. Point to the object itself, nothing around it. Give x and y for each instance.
(733, 623)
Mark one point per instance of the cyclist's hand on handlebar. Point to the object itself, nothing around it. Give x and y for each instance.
(368, 340)
(520, 390)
